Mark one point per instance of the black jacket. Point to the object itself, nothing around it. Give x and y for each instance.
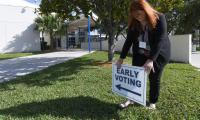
(158, 40)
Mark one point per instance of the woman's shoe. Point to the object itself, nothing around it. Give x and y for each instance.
(126, 104)
(152, 106)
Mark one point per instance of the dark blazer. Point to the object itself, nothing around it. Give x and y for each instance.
(158, 40)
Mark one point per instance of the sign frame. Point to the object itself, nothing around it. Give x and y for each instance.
(143, 102)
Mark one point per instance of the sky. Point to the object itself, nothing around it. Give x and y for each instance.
(33, 1)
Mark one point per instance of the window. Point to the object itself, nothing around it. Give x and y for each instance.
(59, 42)
(71, 41)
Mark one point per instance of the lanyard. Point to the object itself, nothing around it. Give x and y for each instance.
(144, 36)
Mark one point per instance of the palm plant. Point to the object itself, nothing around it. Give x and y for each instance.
(40, 25)
(61, 29)
(51, 24)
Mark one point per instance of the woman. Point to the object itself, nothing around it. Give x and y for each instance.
(147, 34)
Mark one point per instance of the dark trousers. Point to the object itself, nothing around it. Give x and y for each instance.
(154, 78)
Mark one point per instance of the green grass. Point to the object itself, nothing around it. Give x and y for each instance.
(78, 89)
(16, 55)
(13, 55)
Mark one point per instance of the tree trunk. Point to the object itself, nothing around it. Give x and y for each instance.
(67, 40)
(42, 41)
(100, 42)
(111, 50)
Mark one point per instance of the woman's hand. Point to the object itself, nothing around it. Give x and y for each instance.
(119, 62)
(149, 66)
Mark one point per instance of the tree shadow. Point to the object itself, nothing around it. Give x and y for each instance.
(60, 72)
(75, 108)
(23, 41)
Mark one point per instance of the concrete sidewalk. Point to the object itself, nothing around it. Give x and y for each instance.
(196, 60)
(11, 68)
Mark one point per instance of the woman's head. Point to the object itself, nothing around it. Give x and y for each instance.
(141, 11)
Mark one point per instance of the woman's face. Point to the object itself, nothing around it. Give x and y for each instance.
(139, 15)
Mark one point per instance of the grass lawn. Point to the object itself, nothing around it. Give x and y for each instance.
(16, 55)
(13, 55)
(81, 89)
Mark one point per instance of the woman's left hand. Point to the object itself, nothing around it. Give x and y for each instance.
(149, 66)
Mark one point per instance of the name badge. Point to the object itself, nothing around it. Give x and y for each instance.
(142, 45)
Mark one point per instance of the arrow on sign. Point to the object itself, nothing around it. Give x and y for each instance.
(121, 88)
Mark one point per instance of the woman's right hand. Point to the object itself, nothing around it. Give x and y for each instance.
(119, 63)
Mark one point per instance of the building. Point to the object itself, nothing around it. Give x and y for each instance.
(77, 34)
(17, 32)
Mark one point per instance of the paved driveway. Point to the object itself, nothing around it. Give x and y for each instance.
(196, 60)
(10, 69)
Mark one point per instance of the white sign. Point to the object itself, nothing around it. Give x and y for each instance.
(130, 82)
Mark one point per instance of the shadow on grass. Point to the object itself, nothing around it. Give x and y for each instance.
(61, 72)
(76, 108)
(7, 58)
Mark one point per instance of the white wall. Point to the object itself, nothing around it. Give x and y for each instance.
(181, 47)
(17, 32)
(47, 38)
(96, 45)
(63, 42)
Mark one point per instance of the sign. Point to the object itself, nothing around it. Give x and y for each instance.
(130, 82)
